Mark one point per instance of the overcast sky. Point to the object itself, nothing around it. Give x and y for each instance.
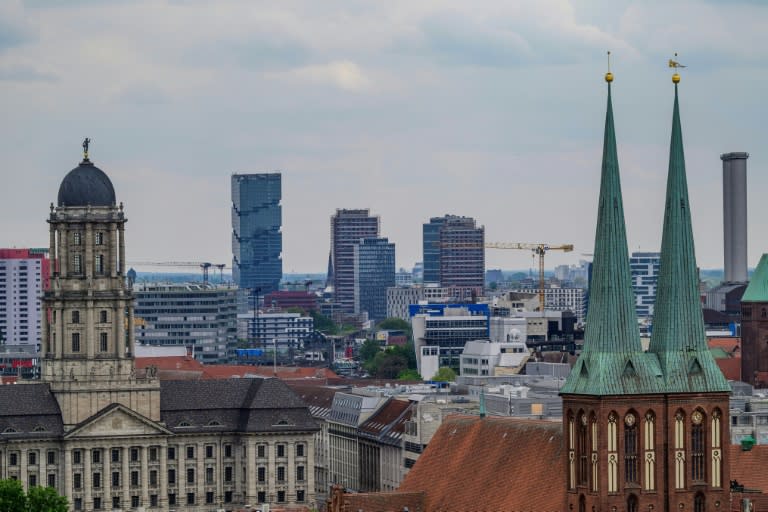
(412, 108)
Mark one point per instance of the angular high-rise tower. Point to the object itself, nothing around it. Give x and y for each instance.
(348, 227)
(645, 430)
(257, 239)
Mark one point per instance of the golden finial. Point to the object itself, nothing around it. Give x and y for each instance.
(675, 64)
(609, 75)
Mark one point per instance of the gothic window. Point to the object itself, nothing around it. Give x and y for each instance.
(583, 449)
(699, 503)
(630, 449)
(77, 264)
(103, 342)
(595, 466)
(698, 447)
(75, 342)
(571, 452)
(649, 459)
(679, 454)
(613, 471)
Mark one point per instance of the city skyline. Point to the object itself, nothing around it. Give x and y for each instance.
(412, 111)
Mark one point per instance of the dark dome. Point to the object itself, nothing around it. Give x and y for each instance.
(86, 185)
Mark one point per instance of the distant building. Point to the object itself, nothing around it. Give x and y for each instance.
(454, 254)
(403, 277)
(285, 332)
(257, 239)
(754, 327)
(645, 272)
(347, 228)
(563, 299)
(23, 278)
(374, 272)
(486, 358)
(283, 299)
(400, 298)
(441, 330)
(203, 316)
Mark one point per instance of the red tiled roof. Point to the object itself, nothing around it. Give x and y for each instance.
(728, 343)
(748, 467)
(730, 366)
(180, 364)
(313, 396)
(513, 464)
(391, 417)
(169, 363)
(385, 502)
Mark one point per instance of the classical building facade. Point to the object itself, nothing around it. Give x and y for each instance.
(110, 437)
(645, 430)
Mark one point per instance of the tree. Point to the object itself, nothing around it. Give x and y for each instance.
(45, 499)
(368, 350)
(444, 374)
(394, 324)
(323, 323)
(409, 374)
(12, 497)
(391, 366)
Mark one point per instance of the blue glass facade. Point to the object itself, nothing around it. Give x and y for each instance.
(257, 239)
(374, 272)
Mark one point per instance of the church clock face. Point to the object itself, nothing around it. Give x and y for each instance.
(696, 417)
(629, 419)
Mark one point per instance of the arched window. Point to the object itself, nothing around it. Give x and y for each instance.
(613, 462)
(583, 449)
(679, 450)
(717, 453)
(595, 458)
(631, 475)
(698, 447)
(649, 440)
(699, 503)
(571, 451)
(632, 503)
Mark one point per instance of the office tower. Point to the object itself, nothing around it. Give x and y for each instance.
(199, 315)
(645, 272)
(374, 267)
(257, 239)
(735, 216)
(454, 254)
(23, 278)
(348, 227)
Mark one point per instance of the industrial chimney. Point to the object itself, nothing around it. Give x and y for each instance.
(735, 216)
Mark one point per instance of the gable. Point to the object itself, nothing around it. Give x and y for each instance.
(117, 421)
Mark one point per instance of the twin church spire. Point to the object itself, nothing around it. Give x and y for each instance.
(613, 361)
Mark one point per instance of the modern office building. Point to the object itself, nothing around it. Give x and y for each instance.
(454, 254)
(400, 298)
(257, 239)
(198, 315)
(374, 267)
(562, 299)
(645, 273)
(285, 332)
(109, 436)
(23, 278)
(347, 228)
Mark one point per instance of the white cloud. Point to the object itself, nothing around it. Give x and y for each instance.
(343, 74)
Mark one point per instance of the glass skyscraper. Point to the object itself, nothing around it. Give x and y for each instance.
(347, 228)
(454, 253)
(257, 239)
(374, 260)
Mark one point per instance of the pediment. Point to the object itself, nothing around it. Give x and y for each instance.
(117, 421)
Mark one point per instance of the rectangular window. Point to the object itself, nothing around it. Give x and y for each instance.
(134, 452)
(281, 450)
(115, 479)
(77, 481)
(103, 342)
(209, 497)
(96, 456)
(190, 475)
(228, 474)
(75, 317)
(171, 499)
(300, 473)
(190, 498)
(77, 264)
(300, 450)
(75, 238)
(190, 452)
(228, 450)
(99, 264)
(13, 459)
(32, 458)
(115, 454)
(171, 453)
(97, 480)
(209, 451)
(261, 474)
(208, 476)
(134, 478)
(171, 477)
(75, 342)
(115, 501)
(51, 457)
(32, 479)
(281, 496)
(153, 454)
(77, 457)
(153, 500)
(227, 496)
(300, 496)
(261, 451)
(262, 497)
(51, 480)
(78, 503)
(134, 502)
(97, 503)
(281, 473)
(99, 238)
(153, 478)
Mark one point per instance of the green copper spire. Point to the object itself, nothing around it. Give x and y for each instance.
(678, 338)
(612, 361)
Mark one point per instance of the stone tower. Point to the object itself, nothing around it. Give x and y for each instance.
(645, 430)
(88, 312)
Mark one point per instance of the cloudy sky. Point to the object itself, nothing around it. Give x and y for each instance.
(412, 108)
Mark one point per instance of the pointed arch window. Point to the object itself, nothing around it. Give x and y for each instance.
(698, 447)
(571, 451)
(679, 450)
(631, 474)
(613, 463)
(717, 457)
(595, 458)
(649, 460)
(583, 449)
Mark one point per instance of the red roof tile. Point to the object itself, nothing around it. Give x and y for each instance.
(507, 461)
(748, 467)
(180, 364)
(730, 366)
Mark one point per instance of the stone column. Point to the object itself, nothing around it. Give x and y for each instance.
(90, 331)
(250, 476)
(162, 499)
(121, 236)
(219, 473)
(89, 263)
(60, 332)
(106, 479)
(63, 251)
(88, 480)
(200, 471)
(23, 473)
(290, 471)
(144, 476)
(52, 250)
(272, 471)
(120, 340)
(44, 336)
(66, 488)
(125, 499)
(128, 344)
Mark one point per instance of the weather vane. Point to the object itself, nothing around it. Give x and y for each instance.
(675, 64)
(87, 142)
(609, 75)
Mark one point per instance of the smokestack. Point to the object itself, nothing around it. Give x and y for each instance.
(735, 216)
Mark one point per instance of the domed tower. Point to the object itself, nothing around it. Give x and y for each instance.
(87, 345)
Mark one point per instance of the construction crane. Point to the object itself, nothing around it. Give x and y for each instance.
(538, 250)
(203, 265)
